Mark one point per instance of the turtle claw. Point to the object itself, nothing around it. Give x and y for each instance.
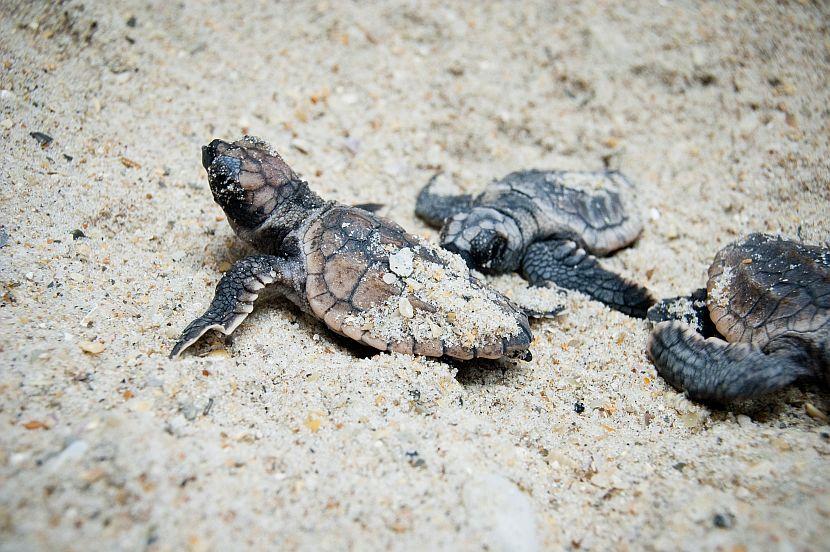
(539, 314)
(198, 328)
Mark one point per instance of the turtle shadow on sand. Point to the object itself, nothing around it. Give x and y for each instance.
(486, 372)
(771, 408)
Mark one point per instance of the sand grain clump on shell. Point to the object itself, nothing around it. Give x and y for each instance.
(439, 302)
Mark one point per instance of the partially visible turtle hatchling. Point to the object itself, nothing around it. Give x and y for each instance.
(546, 224)
(769, 298)
(363, 275)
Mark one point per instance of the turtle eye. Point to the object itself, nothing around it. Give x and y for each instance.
(486, 247)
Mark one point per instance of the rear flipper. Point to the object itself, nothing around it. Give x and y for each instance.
(234, 297)
(565, 264)
(690, 310)
(712, 370)
(434, 208)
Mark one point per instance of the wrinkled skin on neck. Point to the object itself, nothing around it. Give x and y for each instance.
(262, 197)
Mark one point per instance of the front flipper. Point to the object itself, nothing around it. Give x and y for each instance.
(434, 208)
(567, 265)
(690, 310)
(234, 297)
(712, 370)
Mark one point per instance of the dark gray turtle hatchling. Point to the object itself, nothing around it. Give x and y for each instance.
(363, 275)
(769, 298)
(546, 224)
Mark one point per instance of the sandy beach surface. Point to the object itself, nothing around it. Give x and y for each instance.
(286, 436)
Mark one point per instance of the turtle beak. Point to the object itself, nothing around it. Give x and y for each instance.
(212, 150)
(223, 171)
(486, 247)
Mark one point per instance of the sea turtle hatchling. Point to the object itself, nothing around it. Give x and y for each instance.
(363, 275)
(769, 304)
(546, 224)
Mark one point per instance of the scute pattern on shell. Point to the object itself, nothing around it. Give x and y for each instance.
(763, 287)
(595, 206)
(347, 258)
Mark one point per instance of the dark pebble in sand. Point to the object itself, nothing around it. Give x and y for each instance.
(579, 408)
(4, 237)
(77, 234)
(723, 521)
(42, 138)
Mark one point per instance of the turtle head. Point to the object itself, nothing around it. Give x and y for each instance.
(487, 240)
(247, 179)
(263, 198)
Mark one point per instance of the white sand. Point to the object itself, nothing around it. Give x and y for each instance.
(286, 437)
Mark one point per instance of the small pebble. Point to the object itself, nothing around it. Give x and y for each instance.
(352, 144)
(72, 453)
(744, 421)
(401, 262)
(723, 521)
(35, 424)
(42, 138)
(91, 347)
(313, 423)
(4, 237)
(405, 308)
(300, 146)
(189, 411)
(129, 163)
(77, 234)
(579, 408)
(388, 278)
(698, 56)
(815, 413)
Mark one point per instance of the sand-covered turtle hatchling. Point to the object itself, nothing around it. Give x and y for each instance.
(548, 225)
(762, 322)
(363, 275)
